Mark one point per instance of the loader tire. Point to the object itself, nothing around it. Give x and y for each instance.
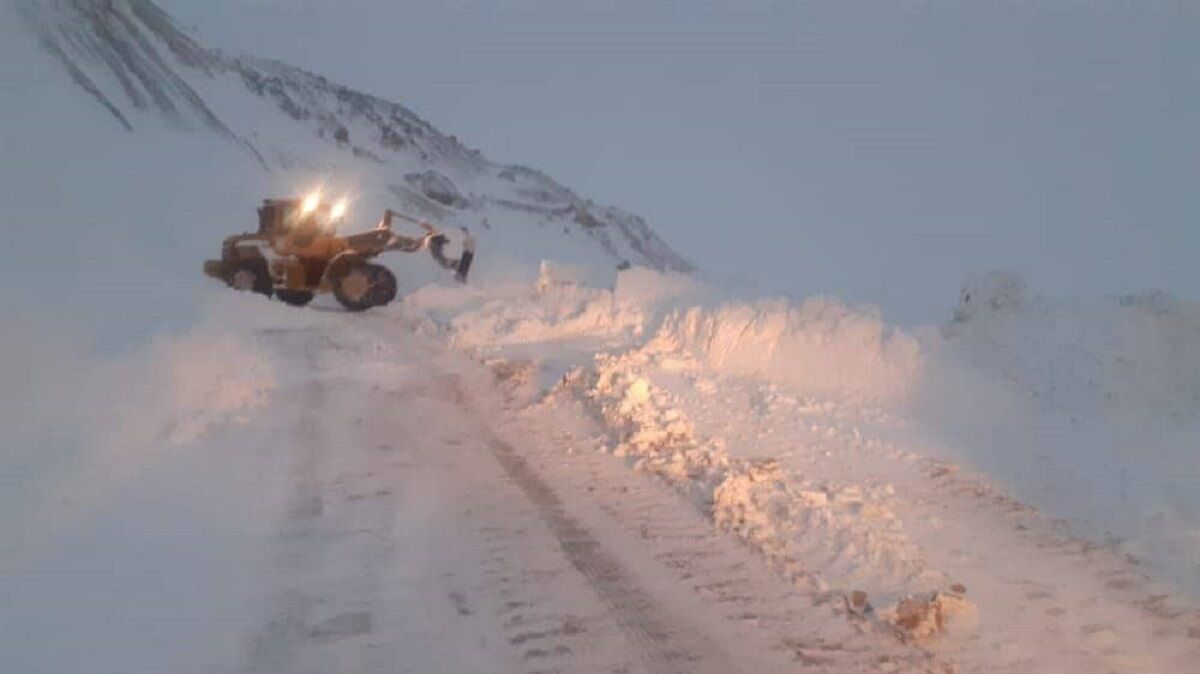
(352, 287)
(361, 286)
(383, 285)
(296, 298)
(251, 275)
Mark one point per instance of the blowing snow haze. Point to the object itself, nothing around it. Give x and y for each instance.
(600, 453)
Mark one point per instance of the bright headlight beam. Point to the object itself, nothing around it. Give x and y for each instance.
(310, 203)
(339, 210)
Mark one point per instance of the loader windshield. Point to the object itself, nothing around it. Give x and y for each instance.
(323, 218)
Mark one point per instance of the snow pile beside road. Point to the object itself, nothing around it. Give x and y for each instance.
(820, 347)
(1135, 356)
(1089, 411)
(831, 538)
(562, 305)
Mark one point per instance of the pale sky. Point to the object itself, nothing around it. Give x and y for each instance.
(878, 151)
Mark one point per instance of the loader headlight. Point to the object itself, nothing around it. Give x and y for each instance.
(310, 203)
(339, 210)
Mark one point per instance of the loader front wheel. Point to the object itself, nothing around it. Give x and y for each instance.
(362, 286)
(383, 285)
(296, 298)
(352, 287)
(250, 275)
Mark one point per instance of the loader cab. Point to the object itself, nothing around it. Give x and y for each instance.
(280, 216)
(274, 213)
(289, 218)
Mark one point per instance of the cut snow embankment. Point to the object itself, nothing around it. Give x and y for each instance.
(832, 537)
(565, 303)
(819, 347)
(989, 393)
(1090, 411)
(841, 541)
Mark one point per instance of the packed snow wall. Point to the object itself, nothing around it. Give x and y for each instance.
(1089, 410)
(821, 346)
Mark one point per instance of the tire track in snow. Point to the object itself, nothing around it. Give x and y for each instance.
(665, 644)
(312, 604)
(278, 644)
(332, 601)
(762, 613)
(663, 648)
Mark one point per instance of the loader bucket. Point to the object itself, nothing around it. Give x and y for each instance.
(464, 265)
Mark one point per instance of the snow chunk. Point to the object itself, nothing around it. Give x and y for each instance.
(917, 618)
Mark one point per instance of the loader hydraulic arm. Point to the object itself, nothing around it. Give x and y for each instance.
(434, 240)
(389, 215)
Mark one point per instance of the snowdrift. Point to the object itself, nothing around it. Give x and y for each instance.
(830, 538)
(821, 346)
(1132, 356)
(564, 303)
(1088, 410)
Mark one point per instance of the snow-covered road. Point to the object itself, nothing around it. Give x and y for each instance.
(321, 492)
(424, 532)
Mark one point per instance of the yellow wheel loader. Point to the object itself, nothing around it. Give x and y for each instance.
(298, 253)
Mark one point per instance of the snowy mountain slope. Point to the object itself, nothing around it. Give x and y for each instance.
(130, 60)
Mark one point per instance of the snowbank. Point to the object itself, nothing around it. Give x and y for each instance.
(563, 304)
(833, 539)
(1088, 410)
(821, 346)
(1132, 357)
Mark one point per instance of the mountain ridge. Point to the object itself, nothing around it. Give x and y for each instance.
(131, 58)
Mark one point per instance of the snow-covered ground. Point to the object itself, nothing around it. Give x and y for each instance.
(558, 467)
(857, 457)
(306, 490)
(292, 491)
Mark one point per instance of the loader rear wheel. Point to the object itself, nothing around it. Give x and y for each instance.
(296, 298)
(250, 275)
